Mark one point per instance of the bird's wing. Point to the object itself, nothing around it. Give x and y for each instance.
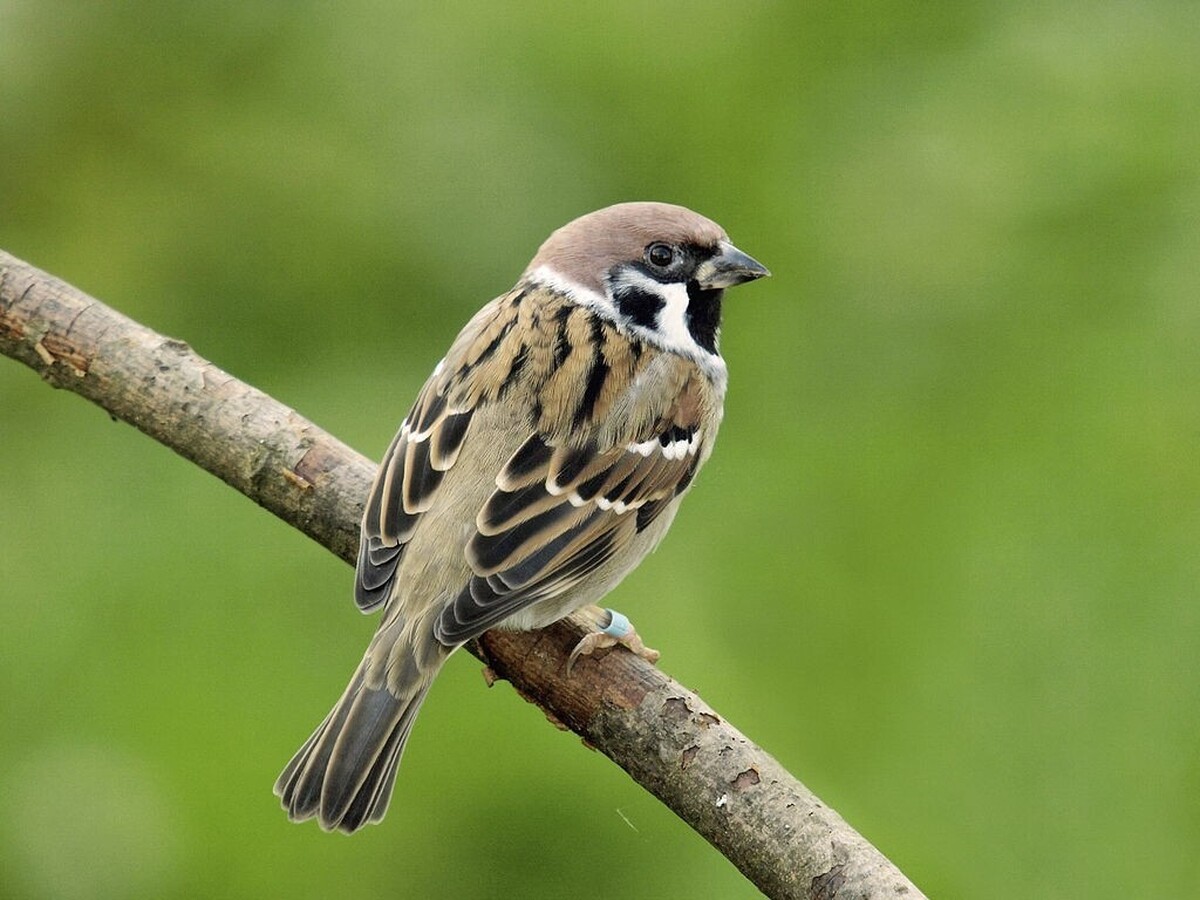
(430, 441)
(421, 454)
(558, 514)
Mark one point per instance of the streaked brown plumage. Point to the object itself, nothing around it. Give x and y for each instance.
(544, 458)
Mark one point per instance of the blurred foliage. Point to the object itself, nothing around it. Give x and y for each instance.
(944, 563)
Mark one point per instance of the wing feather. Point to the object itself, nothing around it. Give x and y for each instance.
(526, 466)
(555, 517)
(412, 470)
(447, 440)
(421, 479)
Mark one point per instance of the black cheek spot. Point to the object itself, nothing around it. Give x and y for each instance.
(639, 306)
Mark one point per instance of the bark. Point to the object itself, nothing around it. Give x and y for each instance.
(728, 789)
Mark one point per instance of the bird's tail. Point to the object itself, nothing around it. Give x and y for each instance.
(344, 773)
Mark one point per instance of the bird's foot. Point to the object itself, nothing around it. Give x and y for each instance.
(617, 630)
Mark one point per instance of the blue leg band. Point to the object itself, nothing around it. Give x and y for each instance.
(618, 626)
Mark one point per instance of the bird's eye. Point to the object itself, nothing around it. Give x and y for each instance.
(660, 255)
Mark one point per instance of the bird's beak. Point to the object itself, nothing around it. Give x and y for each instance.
(729, 267)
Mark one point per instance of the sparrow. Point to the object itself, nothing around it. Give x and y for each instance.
(543, 459)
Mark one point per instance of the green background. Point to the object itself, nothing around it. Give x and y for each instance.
(943, 565)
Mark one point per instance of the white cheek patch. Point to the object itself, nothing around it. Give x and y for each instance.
(672, 319)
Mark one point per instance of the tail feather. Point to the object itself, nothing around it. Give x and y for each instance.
(299, 784)
(344, 772)
(371, 802)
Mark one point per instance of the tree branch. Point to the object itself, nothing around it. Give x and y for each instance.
(724, 786)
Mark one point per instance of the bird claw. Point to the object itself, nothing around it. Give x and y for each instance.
(618, 631)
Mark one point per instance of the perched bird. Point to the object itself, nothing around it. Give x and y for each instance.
(543, 459)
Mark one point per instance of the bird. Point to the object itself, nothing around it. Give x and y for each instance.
(543, 459)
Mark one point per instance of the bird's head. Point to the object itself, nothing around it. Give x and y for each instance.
(656, 269)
